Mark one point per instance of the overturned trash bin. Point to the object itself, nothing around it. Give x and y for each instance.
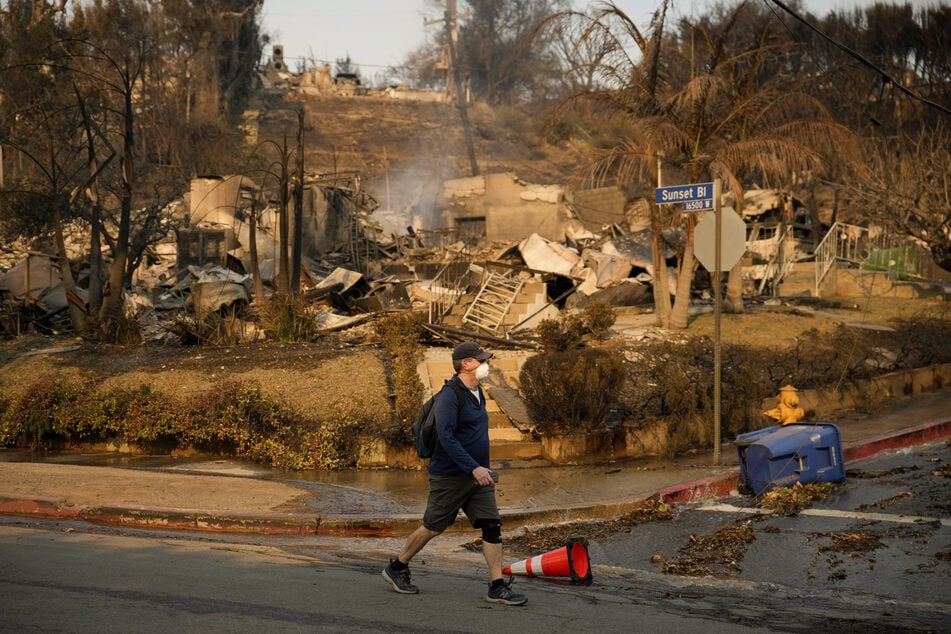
(796, 452)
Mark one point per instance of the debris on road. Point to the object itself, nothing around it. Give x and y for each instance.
(718, 555)
(791, 500)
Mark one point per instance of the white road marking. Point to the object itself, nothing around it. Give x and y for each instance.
(856, 515)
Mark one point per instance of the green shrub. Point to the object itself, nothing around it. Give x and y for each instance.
(41, 414)
(559, 335)
(598, 318)
(233, 417)
(102, 416)
(287, 318)
(408, 389)
(400, 335)
(334, 445)
(571, 392)
(155, 421)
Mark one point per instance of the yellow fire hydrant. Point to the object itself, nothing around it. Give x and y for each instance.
(787, 408)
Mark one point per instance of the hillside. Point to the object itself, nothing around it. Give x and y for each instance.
(401, 146)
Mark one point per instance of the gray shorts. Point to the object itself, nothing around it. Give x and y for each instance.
(448, 494)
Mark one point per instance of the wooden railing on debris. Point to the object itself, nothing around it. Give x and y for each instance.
(445, 291)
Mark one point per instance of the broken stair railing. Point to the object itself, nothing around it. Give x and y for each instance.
(780, 263)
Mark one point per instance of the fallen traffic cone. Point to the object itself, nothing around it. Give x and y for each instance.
(570, 561)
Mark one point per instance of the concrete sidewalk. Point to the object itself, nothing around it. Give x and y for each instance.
(232, 496)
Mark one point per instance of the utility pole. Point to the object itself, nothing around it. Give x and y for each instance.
(298, 205)
(454, 88)
(717, 310)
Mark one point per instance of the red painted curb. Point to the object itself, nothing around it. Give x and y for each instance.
(711, 487)
(918, 435)
(204, 521)
(36, 506)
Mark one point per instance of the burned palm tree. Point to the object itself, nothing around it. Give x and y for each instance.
(707, 104)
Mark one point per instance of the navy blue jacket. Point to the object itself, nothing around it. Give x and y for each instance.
(463, 439)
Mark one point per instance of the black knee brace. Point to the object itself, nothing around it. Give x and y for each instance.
(492, 533)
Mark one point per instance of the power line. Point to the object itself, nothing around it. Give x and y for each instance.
(886, 78)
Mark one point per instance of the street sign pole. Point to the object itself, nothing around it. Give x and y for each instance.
(718, 247)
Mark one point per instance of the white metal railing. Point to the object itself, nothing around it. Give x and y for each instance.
(781, 261)
(872, 249)
(825, 256)
(844, 242)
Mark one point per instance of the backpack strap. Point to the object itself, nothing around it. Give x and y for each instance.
(460, 393)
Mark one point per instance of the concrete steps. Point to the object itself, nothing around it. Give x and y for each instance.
(509, 441)
(507, 452)
(800, 280)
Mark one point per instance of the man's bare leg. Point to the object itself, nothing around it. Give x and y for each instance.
(493, 558)
(417, 540)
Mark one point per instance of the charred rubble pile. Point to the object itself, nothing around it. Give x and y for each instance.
(505, 255)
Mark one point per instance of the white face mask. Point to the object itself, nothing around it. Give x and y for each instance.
(482, 372)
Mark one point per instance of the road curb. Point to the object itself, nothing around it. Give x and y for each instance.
(295, 524)
(201, 520)
(710, 487)
(918, 435)
(162, 518)
(37, 506)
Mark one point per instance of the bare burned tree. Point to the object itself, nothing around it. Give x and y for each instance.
(492, 49)
(906, 184)
(103, 81)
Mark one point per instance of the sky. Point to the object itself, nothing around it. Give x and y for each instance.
(379, 33)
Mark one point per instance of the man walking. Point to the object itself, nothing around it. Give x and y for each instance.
(460, 478)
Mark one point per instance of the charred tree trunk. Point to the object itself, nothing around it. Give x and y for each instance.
(733, 302)
(661, 288)
(111, 312)
(681, 309)
(255, 264)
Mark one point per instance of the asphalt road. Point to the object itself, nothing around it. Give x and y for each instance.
(791, 576)
(85, 582)
(875, 554)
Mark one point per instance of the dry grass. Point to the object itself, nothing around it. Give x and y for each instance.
(780, 326)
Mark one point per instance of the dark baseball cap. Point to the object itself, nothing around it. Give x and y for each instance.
(470, 350)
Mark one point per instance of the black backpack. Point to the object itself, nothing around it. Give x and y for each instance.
(424, 427)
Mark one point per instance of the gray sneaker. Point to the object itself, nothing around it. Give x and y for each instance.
(399, 579)
(505, 595)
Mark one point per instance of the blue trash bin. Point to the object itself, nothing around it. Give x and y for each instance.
(797, 452)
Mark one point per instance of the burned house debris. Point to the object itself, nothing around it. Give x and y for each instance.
(487, 256)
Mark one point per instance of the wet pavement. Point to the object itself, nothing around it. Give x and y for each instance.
(236, 496)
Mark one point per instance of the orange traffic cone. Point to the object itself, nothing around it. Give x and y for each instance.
(570, 561)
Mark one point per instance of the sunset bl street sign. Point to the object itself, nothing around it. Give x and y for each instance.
(696, 197)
